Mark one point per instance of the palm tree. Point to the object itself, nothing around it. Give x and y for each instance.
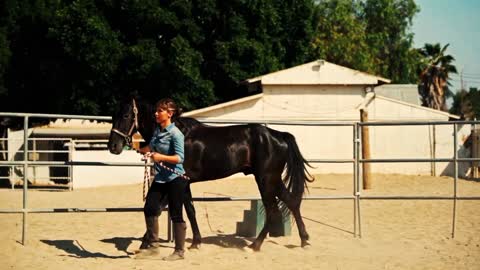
(434, 71)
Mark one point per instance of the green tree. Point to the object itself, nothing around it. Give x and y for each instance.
(388, 35)
(31, 67)
(434, 75)
(244, 39)
(467, 104)
(341, 36)
(369, 35)
(83, 56)
(5, 55)
(93, 50)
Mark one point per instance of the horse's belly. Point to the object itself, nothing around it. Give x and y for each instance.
(214, 167)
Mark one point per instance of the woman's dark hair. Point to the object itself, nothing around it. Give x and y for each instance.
(169, 105)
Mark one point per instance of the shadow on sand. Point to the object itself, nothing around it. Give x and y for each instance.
(238, 242)
(76, 250)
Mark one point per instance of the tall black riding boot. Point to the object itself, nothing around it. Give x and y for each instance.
(180, 230)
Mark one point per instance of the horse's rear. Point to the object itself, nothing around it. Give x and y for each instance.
(217, 152)
(272, 153)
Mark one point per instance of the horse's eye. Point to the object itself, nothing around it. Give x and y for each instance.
(126, 116)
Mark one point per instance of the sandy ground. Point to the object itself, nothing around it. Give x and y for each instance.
(396, 234)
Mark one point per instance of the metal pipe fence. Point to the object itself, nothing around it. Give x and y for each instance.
(356, 161)
(38, 147)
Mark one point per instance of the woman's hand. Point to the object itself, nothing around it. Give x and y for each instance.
(157, 157)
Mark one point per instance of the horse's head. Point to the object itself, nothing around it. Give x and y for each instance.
(124, 125)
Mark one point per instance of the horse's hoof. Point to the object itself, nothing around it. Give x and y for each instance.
(306, 245)
(247, 249)
(194, 246)
(254, 247)
(148, 254)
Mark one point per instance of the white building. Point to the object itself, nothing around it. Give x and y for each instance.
(322, 91)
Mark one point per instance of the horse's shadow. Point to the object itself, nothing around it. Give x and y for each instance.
(121, 243)
(227, 241)
(238, 242)
(76, 250)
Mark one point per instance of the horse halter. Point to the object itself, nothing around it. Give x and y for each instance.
(134, 126)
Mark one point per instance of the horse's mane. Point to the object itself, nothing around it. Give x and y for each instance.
(188, 121)
(187, 124)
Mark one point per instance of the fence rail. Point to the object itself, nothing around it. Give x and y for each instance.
(356, 160)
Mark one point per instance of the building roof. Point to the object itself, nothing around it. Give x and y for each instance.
(222, 105)
(73, 128)
(319, 72)
(453, 116)
(240, 101)
(403, 92)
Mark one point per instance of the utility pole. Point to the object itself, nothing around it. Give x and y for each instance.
(461, 80)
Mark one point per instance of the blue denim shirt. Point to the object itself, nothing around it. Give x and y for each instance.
(169, 141)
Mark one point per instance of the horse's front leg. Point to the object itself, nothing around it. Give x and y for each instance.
(257, 244)
(272, 213)
(190, 210)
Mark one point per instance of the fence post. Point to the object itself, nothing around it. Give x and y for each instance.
(365, 150)
(455, 179)
(25, 179)
(433, 150)
(71, 148)
(475, 149)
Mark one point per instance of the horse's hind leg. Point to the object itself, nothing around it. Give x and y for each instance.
(271, 208)
(294, 205)
(190, 210)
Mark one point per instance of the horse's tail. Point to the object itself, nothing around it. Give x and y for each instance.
(296, 174)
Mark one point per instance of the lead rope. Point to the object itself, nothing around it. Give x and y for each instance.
(147, 157)
(147, 174)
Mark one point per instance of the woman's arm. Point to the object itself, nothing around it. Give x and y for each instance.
(173, 159)
(178, 145)
(157, 157)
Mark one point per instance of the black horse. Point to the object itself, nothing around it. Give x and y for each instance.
(217, 152)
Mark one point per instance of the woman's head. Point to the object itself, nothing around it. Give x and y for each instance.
(166, 109)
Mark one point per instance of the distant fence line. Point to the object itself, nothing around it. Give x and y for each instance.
(356, 161)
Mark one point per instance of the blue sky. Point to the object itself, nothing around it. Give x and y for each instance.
(456, 22)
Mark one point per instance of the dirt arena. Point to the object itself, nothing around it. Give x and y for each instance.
(396, 234)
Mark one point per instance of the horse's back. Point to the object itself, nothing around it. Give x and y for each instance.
(217, 152)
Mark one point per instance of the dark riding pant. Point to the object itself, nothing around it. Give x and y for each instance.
(174, 191)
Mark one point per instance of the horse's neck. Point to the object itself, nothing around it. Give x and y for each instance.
(187, 124)
(146, 121)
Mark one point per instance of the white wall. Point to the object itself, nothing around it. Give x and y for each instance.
(91, 176)
(312, 102)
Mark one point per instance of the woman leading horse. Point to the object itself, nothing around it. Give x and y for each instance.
(217, 152)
